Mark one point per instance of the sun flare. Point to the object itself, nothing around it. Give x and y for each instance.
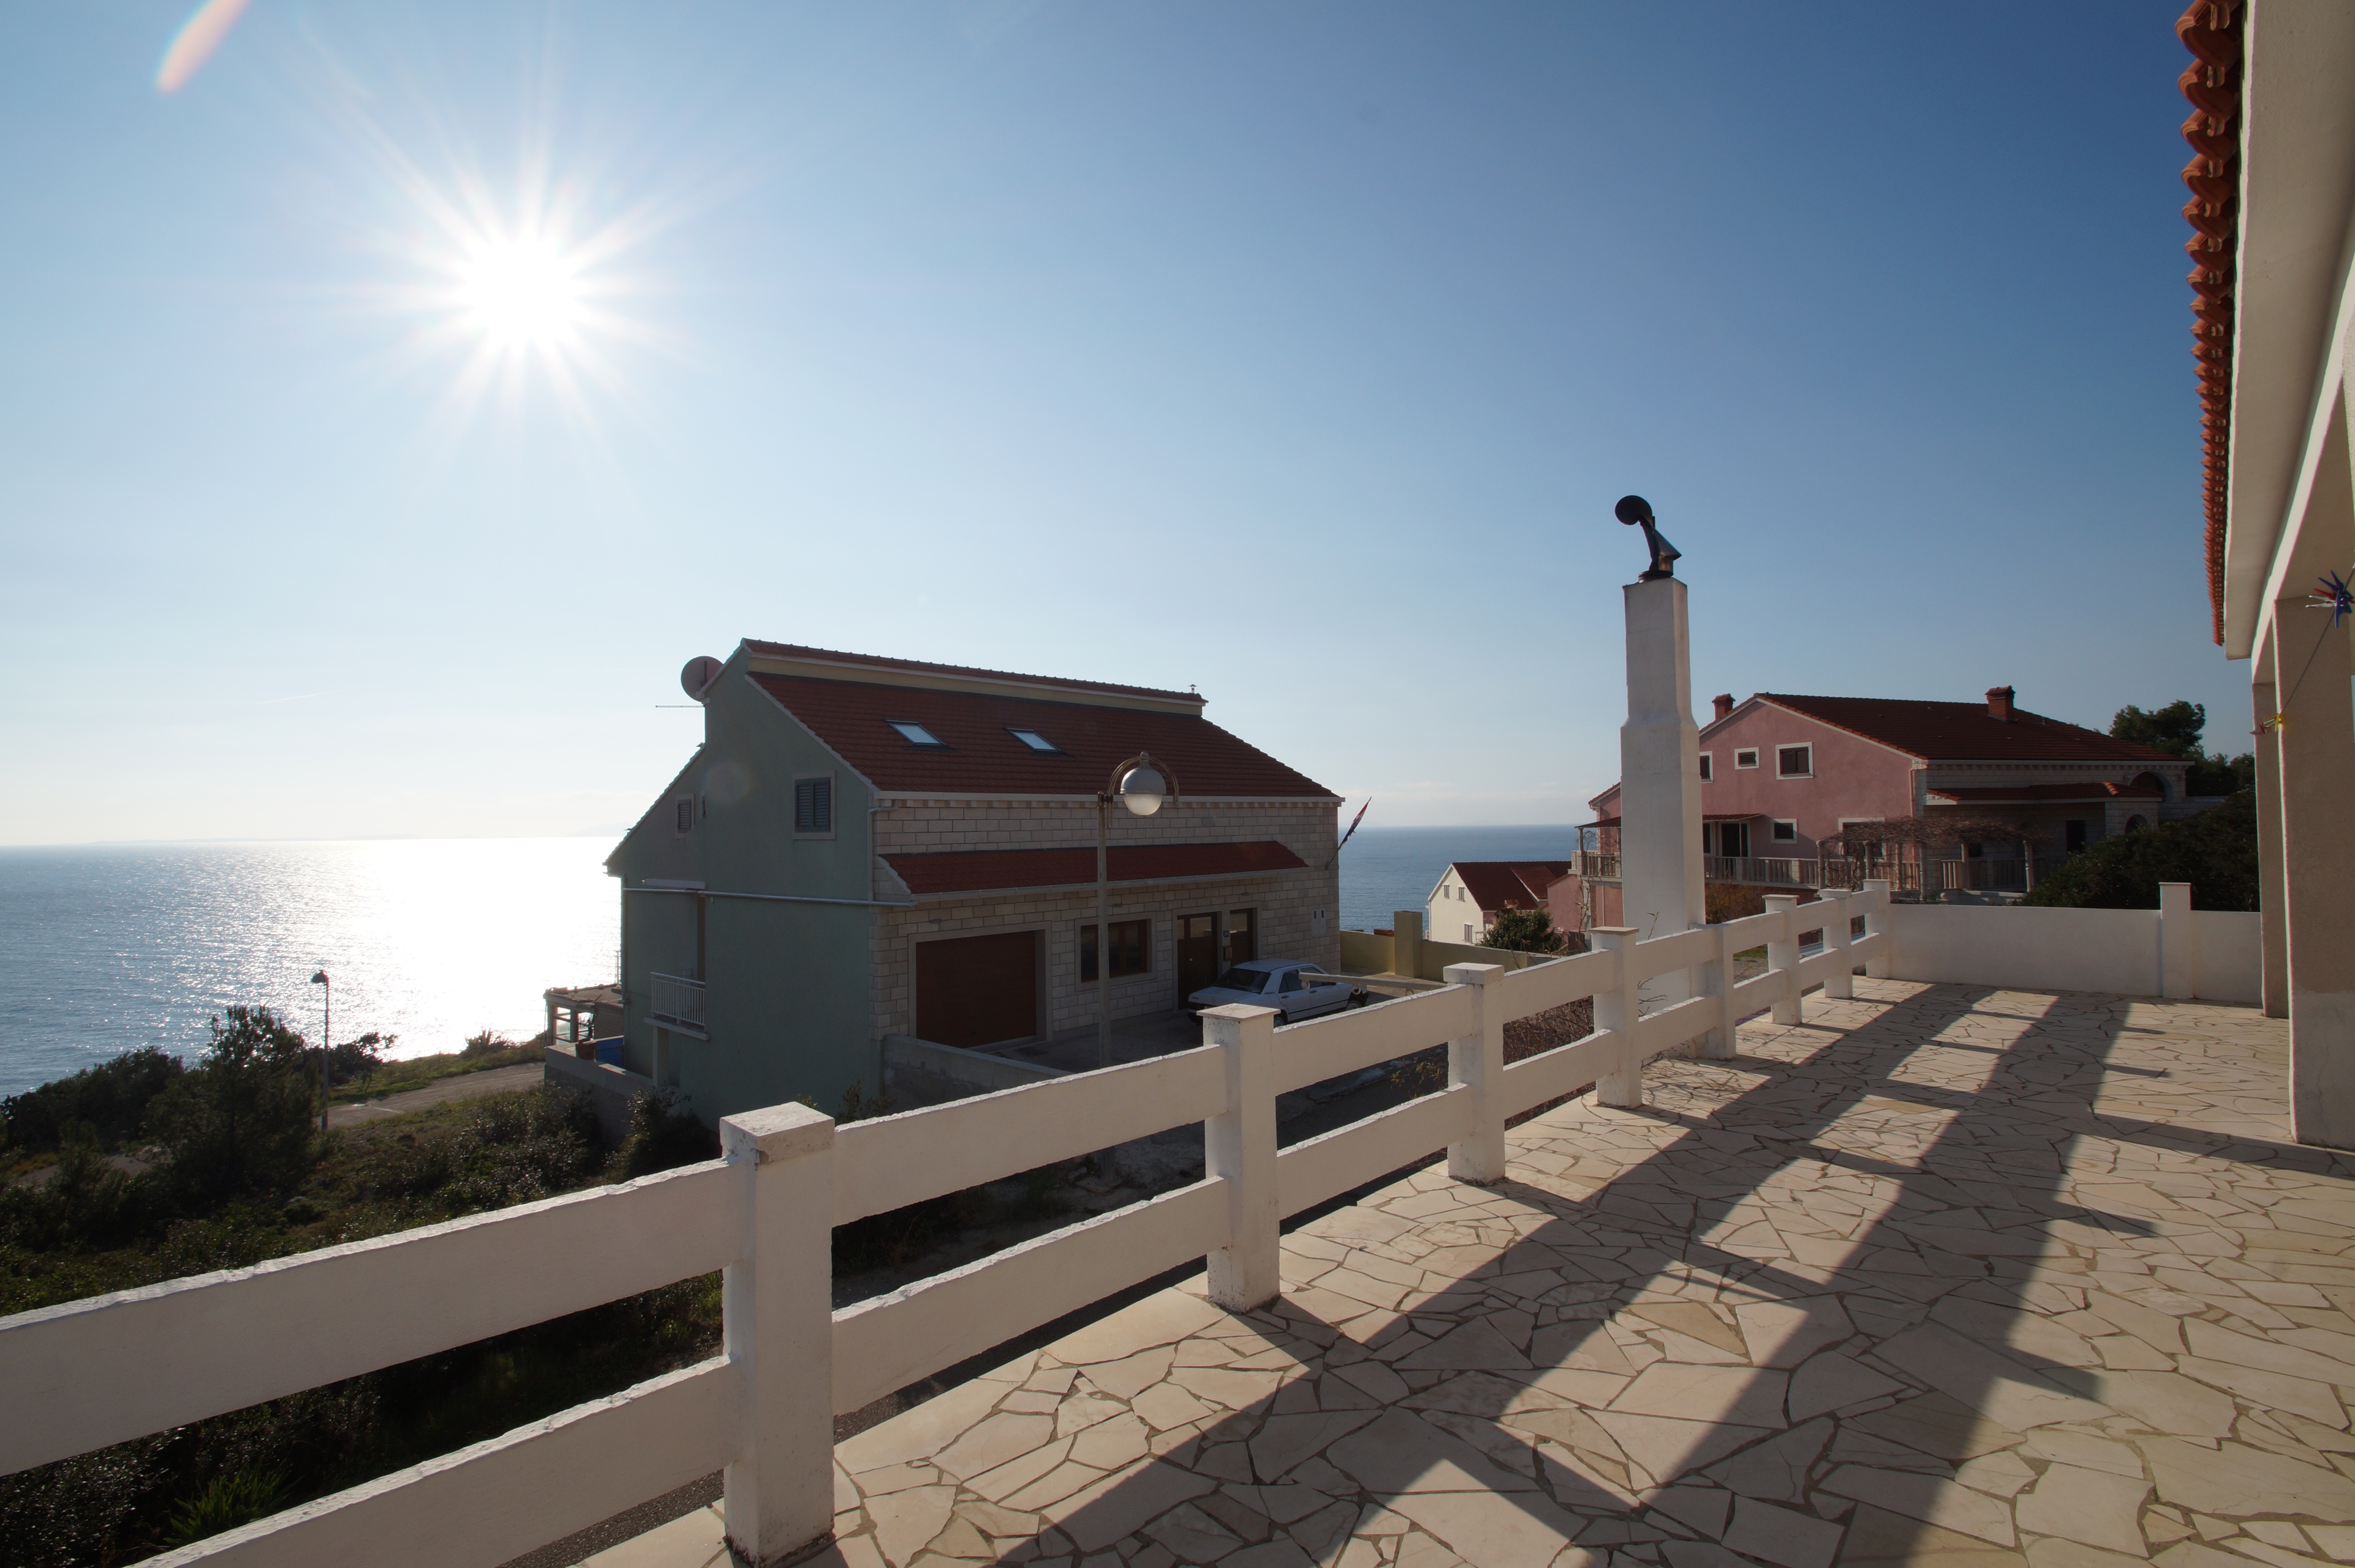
(521, 292)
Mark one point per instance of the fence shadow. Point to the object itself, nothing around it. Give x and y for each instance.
(1870, 1210)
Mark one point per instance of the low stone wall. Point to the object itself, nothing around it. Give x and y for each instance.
(921, 1072)
(610, 1089)
(2215, 954)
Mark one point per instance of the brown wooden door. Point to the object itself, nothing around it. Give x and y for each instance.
(1198, 954)
(973, 991)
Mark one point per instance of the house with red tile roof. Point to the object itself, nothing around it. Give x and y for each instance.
(866, 847)
(1471, 894)
(1785, 777)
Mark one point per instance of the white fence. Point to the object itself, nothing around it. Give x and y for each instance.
(88, 1373)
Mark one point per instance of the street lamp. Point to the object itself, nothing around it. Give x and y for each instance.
(1144, 787)
(327, 1048)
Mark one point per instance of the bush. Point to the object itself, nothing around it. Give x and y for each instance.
(1524, 931)
(2216, 852)
(241, 1118)
(112, 1097)
(663, 1136)
(505, 1149)
(487, 1044)
(356, 1061)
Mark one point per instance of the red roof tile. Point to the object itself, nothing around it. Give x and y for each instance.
(2212, 30)
(1964, 732)
(1509, 884)
(990, 871)
(980, 758)
(917, 667)
(1998, 793)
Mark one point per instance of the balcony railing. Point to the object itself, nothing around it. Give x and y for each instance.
(115, 1368)
(677, 1003)
(1601, 867)
(1926, 877)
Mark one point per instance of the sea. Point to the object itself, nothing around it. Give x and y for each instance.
(108, 947)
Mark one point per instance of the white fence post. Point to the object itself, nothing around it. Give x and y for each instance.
(1785, 955)
(2179, 943)
(1876, 923)
(1621, 1084)
(778, 1300)
(1477, 1062)
(1840, 983)
(1717, 980)
(1240, 1148)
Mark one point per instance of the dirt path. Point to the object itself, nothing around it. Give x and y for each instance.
(443, 1092)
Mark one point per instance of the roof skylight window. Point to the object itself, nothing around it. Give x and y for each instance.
(916, 734)
(1036, 742)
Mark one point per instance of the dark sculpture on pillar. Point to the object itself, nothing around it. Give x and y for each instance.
(1635, 510)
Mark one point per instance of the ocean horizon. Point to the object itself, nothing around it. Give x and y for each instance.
(108, 947)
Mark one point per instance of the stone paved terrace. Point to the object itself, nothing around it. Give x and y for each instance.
(1944, 1276)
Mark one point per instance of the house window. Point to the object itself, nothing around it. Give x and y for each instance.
(2073, 835)
(915, 734)
(1705, 771)
(814, 806)
(1242, 934)
(1467, 936)
(1036, 742)
(1733, 840)
(1746, 757)
(1785, 832)
(1132, 949)
(684, 810)
(1794, 762)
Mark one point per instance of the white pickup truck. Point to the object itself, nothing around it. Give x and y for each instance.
(1297, 989)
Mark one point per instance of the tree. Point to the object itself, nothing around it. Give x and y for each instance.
(112, 1096)
(2176, 729)
(1524, 931)
(2216, 852)
(242, 1117)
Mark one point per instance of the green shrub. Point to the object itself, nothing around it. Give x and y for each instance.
(239, 1498)
(663, 1136)
(112, 1097)
(1524, 931)
(240, 1119)
(2216, 852)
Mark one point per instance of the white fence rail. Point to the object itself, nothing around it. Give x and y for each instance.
(118, 1367)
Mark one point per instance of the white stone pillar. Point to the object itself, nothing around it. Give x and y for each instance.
(1876, 923)
(1615, 1009)
(2272, 930)
(1783, 956)
(2179, 943)
(1478, 1062)
(1840, 983)
(1239, 1147)
(778, 1303)
(1717, 980)
(1659, 776)
(2318, 764)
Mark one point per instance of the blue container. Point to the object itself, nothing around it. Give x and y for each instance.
(609, 1052)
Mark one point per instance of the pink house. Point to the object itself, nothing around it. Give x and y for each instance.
(1785, 777)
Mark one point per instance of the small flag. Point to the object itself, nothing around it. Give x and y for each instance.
(1355, 820)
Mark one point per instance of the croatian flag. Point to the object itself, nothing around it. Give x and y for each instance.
(1355, 820)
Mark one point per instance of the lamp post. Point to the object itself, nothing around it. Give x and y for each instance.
(1143, 785)
(326, 1039)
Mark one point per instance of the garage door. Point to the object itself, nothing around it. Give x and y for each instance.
(978, 990)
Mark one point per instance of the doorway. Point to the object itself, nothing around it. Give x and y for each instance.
(1242, 935)
(1198, 954)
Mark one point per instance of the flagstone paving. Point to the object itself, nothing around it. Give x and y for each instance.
(1944, 1276)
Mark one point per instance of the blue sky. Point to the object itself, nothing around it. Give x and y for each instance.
(1296, 351)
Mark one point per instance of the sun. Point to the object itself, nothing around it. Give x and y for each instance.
(523, 292)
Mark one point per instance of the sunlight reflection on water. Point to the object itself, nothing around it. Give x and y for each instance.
(104, 948)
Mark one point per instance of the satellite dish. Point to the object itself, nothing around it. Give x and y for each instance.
(697, 678)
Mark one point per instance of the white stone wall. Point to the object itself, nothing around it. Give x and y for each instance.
(1286, 901)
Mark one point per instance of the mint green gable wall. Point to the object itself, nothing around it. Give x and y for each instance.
(786, 999)
(657, 929)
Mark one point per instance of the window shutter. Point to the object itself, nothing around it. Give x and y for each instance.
(814, 806)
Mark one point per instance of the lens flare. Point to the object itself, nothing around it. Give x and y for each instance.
(521, 292)
(194, 44)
